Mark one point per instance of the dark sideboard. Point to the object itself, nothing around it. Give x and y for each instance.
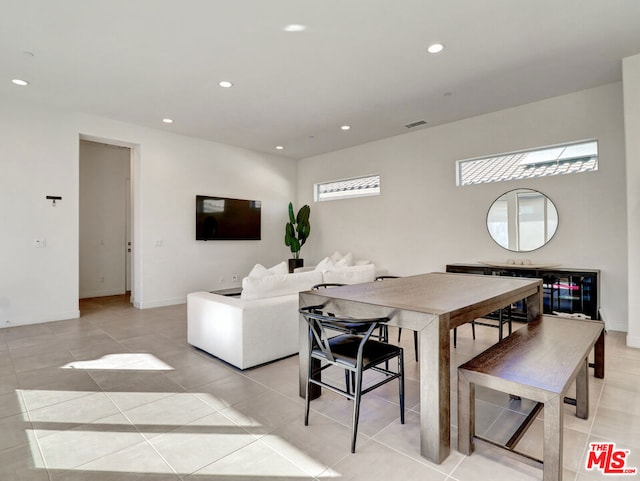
(572, 291)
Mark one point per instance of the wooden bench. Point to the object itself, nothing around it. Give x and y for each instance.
(539, 362)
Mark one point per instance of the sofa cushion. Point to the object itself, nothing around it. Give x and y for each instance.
(259, 271)
(325, 264)
(279, 284)
(350, 275)
(340, 260)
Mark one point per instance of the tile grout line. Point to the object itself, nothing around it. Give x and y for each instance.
(40, 450)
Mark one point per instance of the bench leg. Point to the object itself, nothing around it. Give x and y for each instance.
(582, 391)
(599, 357)
(552, 451)
(466, 414)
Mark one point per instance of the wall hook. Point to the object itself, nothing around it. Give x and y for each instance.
(54, 198)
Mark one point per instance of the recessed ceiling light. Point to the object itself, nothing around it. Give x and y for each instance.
(435, 48)
(19, 81)
(225, 84)
(167, 121)
(295, 27)
(345, 127)
(279, 147)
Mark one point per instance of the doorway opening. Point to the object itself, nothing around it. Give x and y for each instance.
(105, 219)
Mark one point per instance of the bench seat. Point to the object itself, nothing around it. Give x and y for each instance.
(539, 362)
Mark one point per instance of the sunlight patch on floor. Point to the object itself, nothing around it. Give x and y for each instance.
(90, 434)
(123, 361)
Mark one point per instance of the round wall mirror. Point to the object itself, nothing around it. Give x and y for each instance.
(522, 220)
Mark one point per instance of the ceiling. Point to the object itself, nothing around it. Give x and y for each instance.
(361, 63)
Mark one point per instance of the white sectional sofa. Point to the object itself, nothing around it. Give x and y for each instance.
(249, 330)
(262, 324)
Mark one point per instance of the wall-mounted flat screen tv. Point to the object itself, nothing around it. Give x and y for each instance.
(221, 218)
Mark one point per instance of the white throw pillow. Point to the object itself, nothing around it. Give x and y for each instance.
(335, 257)
(350, 275)
(325, 264)
(259, 271)
(279, 284)
(346, 261)
(279, 269)
(342, 260)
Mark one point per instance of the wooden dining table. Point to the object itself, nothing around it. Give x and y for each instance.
(431, 304)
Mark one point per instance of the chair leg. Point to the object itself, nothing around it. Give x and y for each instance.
(509, 320)
(455, 337)
(384, 333)
(401, 380)
(384, 337)
(307, 397)
(356, 410)
(347, 380)
(415, 340)
(473, 329)
(500, 325)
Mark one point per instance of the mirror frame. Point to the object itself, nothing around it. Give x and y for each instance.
(522, 189)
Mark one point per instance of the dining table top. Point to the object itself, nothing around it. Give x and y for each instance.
(436, 292)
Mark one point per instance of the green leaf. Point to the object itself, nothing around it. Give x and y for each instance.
(295, 245)
(306, 230)
(303, 214)
(289, 234)
(292, 219)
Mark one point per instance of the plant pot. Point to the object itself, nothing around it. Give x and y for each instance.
(295, 263)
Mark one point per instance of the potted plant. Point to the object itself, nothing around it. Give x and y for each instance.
(296, 233)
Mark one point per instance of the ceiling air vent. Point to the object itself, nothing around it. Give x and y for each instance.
(417, 123)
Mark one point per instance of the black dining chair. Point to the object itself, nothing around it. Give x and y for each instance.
(355, 328)
(415, 333)
(501, 321)
(356, 353)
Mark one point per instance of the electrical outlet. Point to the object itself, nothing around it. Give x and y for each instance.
(234, 278)
(40, 243)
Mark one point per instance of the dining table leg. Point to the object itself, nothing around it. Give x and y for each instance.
(534, 305)
(435, 416)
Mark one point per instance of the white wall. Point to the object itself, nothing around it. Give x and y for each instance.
(631, 79)
(422, 221)
(104, 170)
(39, 157)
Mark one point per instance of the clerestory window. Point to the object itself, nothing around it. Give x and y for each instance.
(347, 188)
(570, 158)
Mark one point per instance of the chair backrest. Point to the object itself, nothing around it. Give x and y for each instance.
(324, 285)
(320, 326)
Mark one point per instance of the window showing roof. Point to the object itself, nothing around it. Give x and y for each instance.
(568, 158)
(341, 189)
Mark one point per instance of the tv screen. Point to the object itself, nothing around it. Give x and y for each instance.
(221, 218)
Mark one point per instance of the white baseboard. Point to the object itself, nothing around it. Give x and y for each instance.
(61, 316)
(101, 293)
(160, 303)
(633, 341)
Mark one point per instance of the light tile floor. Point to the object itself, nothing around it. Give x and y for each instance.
(119, 395)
